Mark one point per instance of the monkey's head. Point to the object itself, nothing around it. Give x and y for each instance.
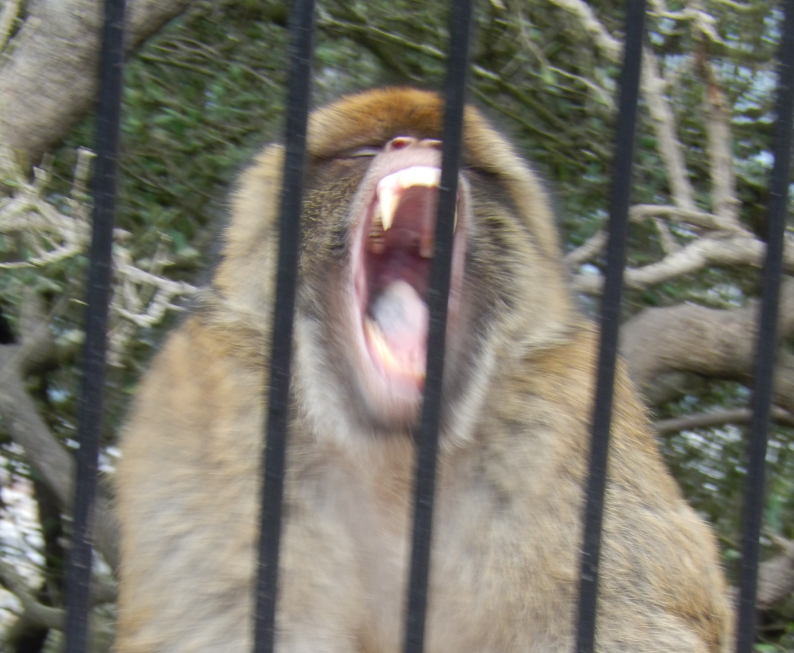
(367, 239)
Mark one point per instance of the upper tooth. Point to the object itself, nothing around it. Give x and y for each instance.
(390, 188)
(388, 205)
(419, 176)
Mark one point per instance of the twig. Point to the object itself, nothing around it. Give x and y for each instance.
(665, 126)
(653, 90)
(28, 213)
(141, 297)
(694, 217)
(586, 251)
(668, 243)
(723, 178)
(735, 250)
(609, 45)
(719, 418)
(738, 6)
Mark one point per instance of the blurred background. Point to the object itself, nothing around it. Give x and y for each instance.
(204, 90)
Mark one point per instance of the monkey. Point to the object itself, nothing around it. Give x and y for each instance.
(516, 409)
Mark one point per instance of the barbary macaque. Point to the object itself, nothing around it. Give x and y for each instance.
(515, 426)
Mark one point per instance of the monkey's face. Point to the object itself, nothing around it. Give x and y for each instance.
(368, 239)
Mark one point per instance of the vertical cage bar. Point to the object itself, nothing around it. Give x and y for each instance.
(78, 572)
(610, 323)
(767, 339)
(301, 27)
(438, 293)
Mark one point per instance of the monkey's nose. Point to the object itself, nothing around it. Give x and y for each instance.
(402, 142)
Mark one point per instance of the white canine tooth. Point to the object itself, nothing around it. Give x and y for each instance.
(388, 205)
(390, 188)
(419, 176)
(455, 224)
(375, 336)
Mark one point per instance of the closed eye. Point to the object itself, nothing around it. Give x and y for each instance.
(360, 152)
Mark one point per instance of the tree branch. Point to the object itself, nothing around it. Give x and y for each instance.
(706, 341)
(33, 610)
(701, 219)
(49, 81)
(102, 591)
(738, 249)
(653, 91)
(776, 577)
(586, 251)
(45, 454)
(665, 126)
(667, 427)
(723, 178)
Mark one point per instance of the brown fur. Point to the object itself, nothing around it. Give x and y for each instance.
(512, 465)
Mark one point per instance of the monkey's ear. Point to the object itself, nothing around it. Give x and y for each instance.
(251, 238)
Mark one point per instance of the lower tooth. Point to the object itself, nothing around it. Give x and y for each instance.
(376, 338)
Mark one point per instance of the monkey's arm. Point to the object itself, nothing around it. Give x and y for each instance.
(188, 500)
(660, 585)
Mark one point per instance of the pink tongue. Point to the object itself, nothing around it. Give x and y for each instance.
(402, 317)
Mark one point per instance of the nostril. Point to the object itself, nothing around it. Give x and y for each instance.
(431, 142)
(400, 142)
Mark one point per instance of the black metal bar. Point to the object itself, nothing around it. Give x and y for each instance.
(767, 337)
(424, 479)
(301, 26)
(78, 573)
(610, 323)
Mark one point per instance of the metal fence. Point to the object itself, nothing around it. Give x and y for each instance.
(301, 28)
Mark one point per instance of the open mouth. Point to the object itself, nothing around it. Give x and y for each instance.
(391, 272)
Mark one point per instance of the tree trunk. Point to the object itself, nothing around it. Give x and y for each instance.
(48, 78)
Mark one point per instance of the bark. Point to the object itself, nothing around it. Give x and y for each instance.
(710, 342)
(46, 455)
(48, 77)
(776, 577)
